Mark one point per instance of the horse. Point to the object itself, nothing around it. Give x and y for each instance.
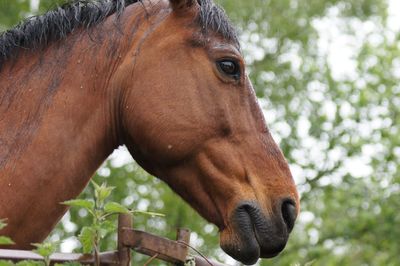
(167, 79)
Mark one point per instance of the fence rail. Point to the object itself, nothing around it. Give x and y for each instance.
(175, 252)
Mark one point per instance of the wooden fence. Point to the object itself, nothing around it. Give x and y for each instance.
(173, 251)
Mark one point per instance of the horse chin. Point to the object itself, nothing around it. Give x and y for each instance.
(245, 247)
(245, 250)
(251, 235)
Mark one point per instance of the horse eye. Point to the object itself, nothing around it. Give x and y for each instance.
(230, 68)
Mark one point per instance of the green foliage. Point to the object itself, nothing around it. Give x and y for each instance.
(35, 263)
(2, 223)
(99, 210)
(114, 207)
(29, 263)
(45, 250)
(6, 263)
(101, 192)
(87, 204)
(68, 264)
(11, 12)
(87, 237)
(3, 239)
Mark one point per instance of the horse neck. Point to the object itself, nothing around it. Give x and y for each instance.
(60, 111)
(58, 123)
(56, 108)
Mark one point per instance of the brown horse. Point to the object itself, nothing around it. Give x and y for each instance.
(165, 78)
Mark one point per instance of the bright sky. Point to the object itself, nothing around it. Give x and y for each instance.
(34, 5)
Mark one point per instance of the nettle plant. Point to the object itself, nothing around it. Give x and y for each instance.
(3, 239)
(100, 210)
(43, 249)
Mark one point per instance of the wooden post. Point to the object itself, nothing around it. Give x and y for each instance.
(124, 253)
(183, 237)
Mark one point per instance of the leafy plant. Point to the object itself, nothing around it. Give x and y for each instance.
(90, 236)
(100, 210)
(45, 250)
(29, 263)
(3, 239)
(6, 263)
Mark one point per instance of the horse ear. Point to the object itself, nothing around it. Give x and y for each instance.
(181, 4)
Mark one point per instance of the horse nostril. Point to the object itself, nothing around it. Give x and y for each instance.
(289, 213)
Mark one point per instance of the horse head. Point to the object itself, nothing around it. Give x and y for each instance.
(189, 115)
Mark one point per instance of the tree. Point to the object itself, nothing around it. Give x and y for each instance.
(326, 73)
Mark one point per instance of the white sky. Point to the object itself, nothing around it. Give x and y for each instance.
(34, 5)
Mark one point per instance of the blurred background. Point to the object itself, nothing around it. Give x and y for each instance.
(327, 76)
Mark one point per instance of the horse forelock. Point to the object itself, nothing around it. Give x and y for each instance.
(39, 31)
(213, 18)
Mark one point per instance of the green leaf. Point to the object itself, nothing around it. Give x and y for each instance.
(68, 264)
(6, 240)
(87, 204)
(114, 207)
(103, 192)
(87, 237)
(6, 263)
(106, 227)
(30, 263)
(2, 223)
(96, 186)
(148, 213)
(109, 226)
(45, 249)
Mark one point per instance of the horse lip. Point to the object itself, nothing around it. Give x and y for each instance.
(258, 222)
(248, 252)
(271, 255)
(257, 237)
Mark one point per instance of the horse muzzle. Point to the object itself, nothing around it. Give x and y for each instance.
(256, 235)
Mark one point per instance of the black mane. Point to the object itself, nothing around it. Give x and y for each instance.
(39, 31)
